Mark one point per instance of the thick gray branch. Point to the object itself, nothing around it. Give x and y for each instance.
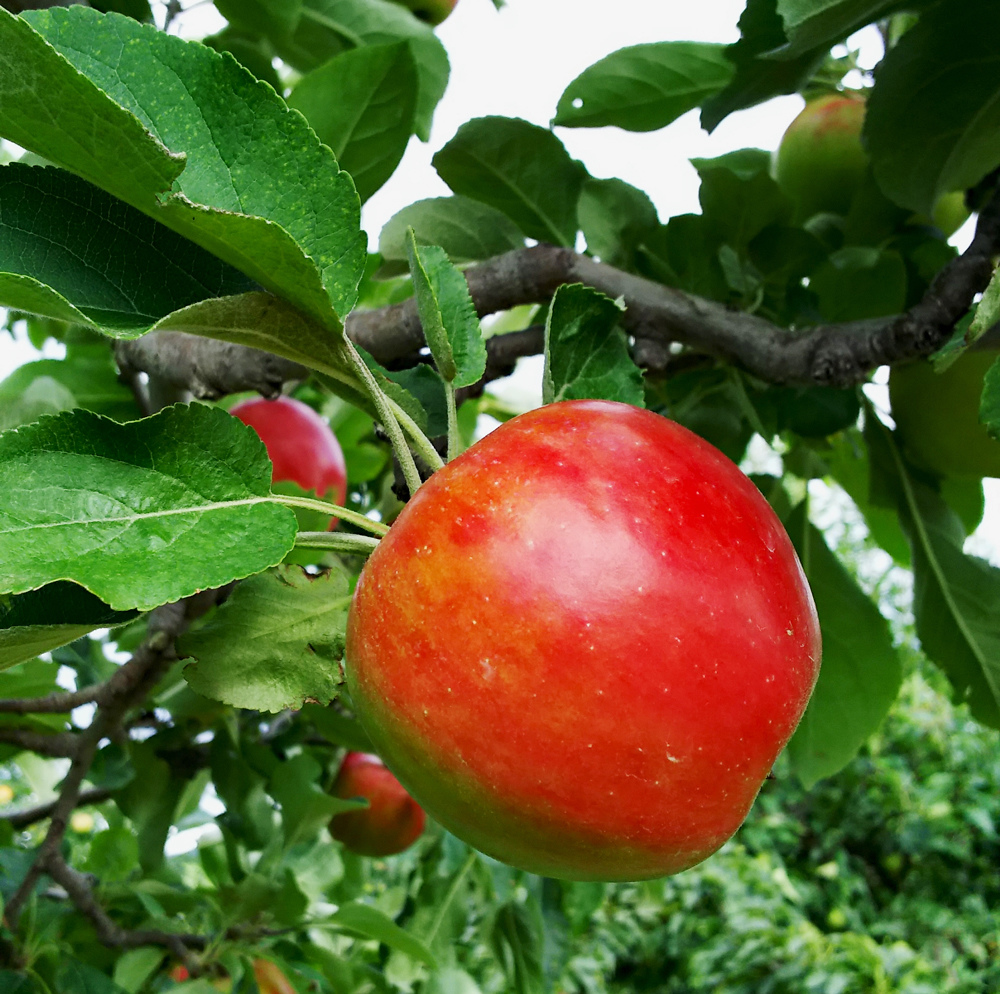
(656, 316)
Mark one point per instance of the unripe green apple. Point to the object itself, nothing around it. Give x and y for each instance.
(820, 163)
(950, 212)
(431, 11)
(583, 643)
(937, 415)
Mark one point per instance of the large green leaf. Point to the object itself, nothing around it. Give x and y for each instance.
(375, 924)
(989, 408)
(88, 381)
(738, 196)
(70, 251)
(362, 105)
(275, 643)
(644, 87)
(861, 672)
(615, 218)
(859, 282)
(759, 76)
(956, 597)
(265, 322)
(189, 137)
(520, 169)
(267, 17)
(51, 616)
(328, 27)
(933, 119)
(466, 229)
(811, 24)
(448, 316)
(586, 354)
(139, 513)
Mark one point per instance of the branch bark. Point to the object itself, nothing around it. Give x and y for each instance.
(656, 316)
(128, 686)
(30, 816)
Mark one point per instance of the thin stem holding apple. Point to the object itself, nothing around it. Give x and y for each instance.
(386, 415)
(454, 441)
(334, 510)
(336, 542)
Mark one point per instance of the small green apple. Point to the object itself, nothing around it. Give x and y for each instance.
(431, 11)
(820, 163)
(938, 415)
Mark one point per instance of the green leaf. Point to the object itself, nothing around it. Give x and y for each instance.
(738, 196)
(305, 806)
(274, 643)
(329, 27)
(466, 229)
(271, 324)
(136, 966)
(956, 597)
(858, 282)
(140, 513)
(848, 460)
(53, 615)
(151, 801)
(113, 855)
(138, 10)
(989, 408)
(70, 251)
(52, 385)
(362, 105)
(516, 943)
(586, 354)
(615, 217)
(372, 923)
(988, 311)
(266, 17)
(758, 76)
(644, 87)
(251, 51)
(80, 978)
(520, 169)
(934, 116)
(448, 316)
(812, 24)
(162, 124)
(861, 672)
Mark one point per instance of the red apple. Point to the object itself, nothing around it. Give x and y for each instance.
(300, 444)
(583, 644)
(392, 821)
(431, 11)
(820, 163)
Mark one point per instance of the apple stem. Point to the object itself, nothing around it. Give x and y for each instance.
(386, 415)
(334, 510)
(421, 442)
(336, 542)
(454, 441)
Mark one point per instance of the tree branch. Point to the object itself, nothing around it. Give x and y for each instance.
(58, 745)
(656, 316)
(29, 816)
(208, 368)
(56, 703)
(128, 686)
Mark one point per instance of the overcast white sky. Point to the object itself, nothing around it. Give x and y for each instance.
(516, 62)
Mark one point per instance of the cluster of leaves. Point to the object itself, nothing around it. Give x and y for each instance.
(183, 195)
(851, 884)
